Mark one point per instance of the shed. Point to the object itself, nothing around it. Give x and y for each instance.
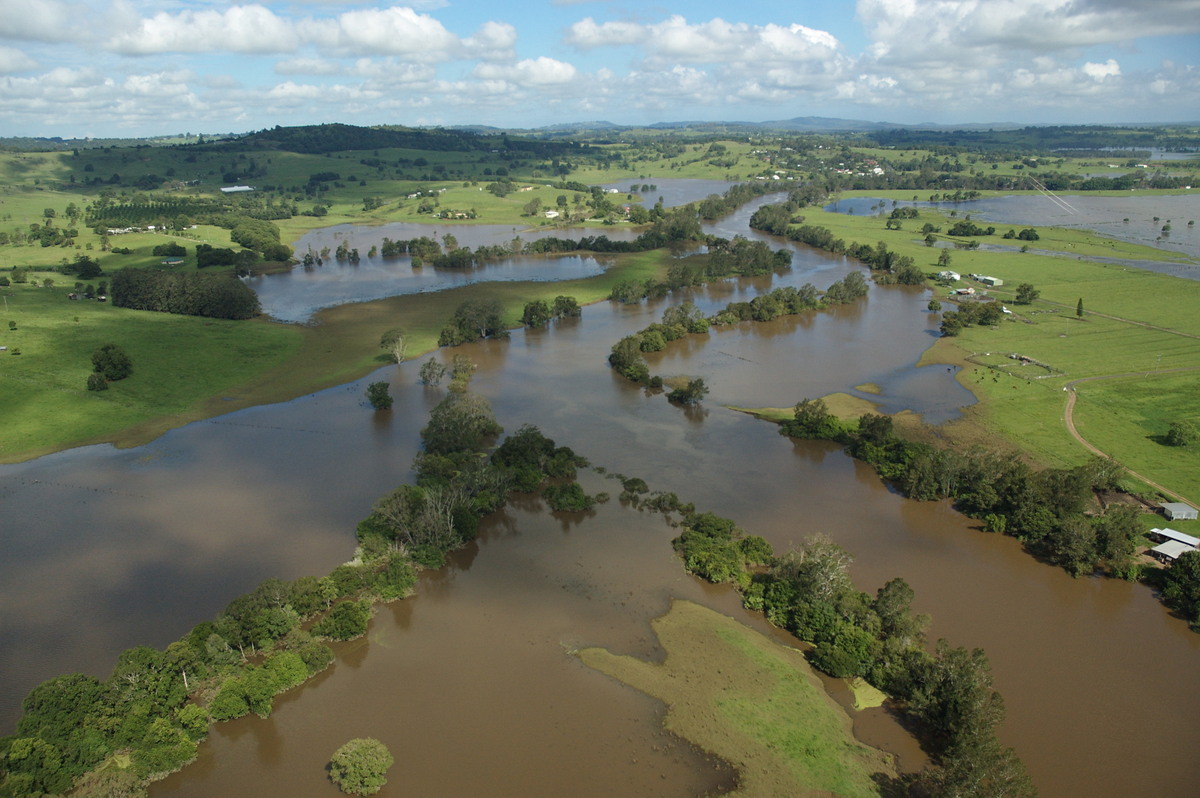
(1170, 551)
(1167, 533)
(1178, 511)
(992, 281)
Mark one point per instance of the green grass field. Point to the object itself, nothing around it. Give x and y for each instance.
(1022, 406)
(177, 361)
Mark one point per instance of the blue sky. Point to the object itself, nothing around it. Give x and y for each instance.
(76, 68)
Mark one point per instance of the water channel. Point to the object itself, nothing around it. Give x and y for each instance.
(470, 683)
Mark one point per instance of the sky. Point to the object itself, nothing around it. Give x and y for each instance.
(105, 68)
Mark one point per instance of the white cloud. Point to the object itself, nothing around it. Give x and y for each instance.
(494, 41)
(308, 66)
(586, 34)
(256, 29)
(1100, 71)
(996, 28)
(390, 31)
(675, 40)
(44, 20)
(541, 71)
(240, 29)
(13, 60)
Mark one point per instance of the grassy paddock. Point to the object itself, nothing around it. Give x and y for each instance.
(1021, 406)
(176, 361)
(752, 702)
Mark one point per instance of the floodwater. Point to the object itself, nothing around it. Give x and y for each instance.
(1139, 220)
(470, 682)
(295, 295)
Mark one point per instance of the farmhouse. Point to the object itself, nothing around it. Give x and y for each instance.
(1178, 511)
(236, 189)
(949, 275)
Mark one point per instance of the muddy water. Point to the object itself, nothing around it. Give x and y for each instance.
(472, 685)
(102, 550)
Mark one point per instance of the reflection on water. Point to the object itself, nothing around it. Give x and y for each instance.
(469, 682)
(294, 296)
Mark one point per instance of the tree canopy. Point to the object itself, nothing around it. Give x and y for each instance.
(359, 767)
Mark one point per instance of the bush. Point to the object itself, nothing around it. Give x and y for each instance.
(568, 498)
(378, 396)
(96, 382)
(112, 363)
(360, 766)
(345, 621)
(1181, 433)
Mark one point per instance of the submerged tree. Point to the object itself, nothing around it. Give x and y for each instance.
(378, 396)
(360, 766)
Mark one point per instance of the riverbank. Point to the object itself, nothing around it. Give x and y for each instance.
(752, 702)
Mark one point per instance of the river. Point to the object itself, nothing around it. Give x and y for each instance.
(470, 682)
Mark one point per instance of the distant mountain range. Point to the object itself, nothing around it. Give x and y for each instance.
(807, 124)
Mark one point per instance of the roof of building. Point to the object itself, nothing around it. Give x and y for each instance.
(1171, 534)
(1173, 549)
(1178, 509)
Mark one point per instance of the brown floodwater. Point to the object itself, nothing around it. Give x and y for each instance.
(470, 682)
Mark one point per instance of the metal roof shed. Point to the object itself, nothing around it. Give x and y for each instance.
(1171, 534)
(1171, 550)
(1178, 511)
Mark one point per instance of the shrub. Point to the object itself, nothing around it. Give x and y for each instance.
(360, 766)
(111, 362)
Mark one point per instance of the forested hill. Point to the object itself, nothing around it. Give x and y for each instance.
(335, 137)
(1047, 138)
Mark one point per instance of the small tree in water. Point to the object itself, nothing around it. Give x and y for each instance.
(360, 766)
(432, 372)
(378, 396)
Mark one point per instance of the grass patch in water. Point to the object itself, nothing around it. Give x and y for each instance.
(866, 695)
(754, 703)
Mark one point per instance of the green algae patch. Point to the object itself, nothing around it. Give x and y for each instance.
(752, 702)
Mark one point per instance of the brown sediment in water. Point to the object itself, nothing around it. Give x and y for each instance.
(752, 702)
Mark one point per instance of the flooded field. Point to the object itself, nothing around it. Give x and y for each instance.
(1139, 220)
(470, 682)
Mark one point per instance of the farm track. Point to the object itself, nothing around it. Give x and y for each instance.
(1069, 419)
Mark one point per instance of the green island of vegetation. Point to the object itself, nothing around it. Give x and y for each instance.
(753, 703)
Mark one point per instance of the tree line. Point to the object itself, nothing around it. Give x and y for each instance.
(627, 355)
(1047, 509)
(218, 296)
(779, 219)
